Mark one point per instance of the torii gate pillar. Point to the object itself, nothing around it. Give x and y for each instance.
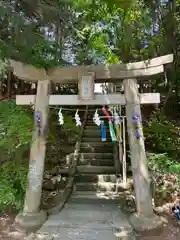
(32, 217)
(144, 217)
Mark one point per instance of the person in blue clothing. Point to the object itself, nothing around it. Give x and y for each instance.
(176, 210)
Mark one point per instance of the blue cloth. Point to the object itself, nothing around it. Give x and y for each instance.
(103, 132)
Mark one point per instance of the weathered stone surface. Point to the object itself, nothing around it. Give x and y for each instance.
(30, 222)
(61, 184)
(49, 185)
(141, 223)
(53, 171)
(53, 160)
(90, 220)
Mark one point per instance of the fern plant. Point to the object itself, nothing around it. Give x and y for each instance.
(15, 133)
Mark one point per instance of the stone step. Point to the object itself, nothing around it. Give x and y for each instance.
(97, 144)
(92, 196)
(100, 186)
(95, 139)
(95, 178)
(91, 155)
(91, 124)
(94, 133)
(95, 127)
(96, 149)
(96, 170)
(92, 127)
(96, 162)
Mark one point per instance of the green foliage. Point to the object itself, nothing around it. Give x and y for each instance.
(165, 176)
(15, 133)
(69, 124)
(3, 68)
(23, 38)
(91, 31)
(163, 164)
(160, 162)
(116, 31)
(162, 140)
(15, 127)
(66, 131)
(70, 129)
(174, 168)
(162, 135)
(13, 181)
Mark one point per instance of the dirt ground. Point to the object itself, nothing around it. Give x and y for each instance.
(171, 231)
(7, 232)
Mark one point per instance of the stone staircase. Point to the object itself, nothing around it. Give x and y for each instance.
(96, 171)
(93, 210)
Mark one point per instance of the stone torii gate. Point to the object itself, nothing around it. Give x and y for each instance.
(32, 216)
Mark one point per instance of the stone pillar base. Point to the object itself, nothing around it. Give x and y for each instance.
(28, 222)
(143, 222)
